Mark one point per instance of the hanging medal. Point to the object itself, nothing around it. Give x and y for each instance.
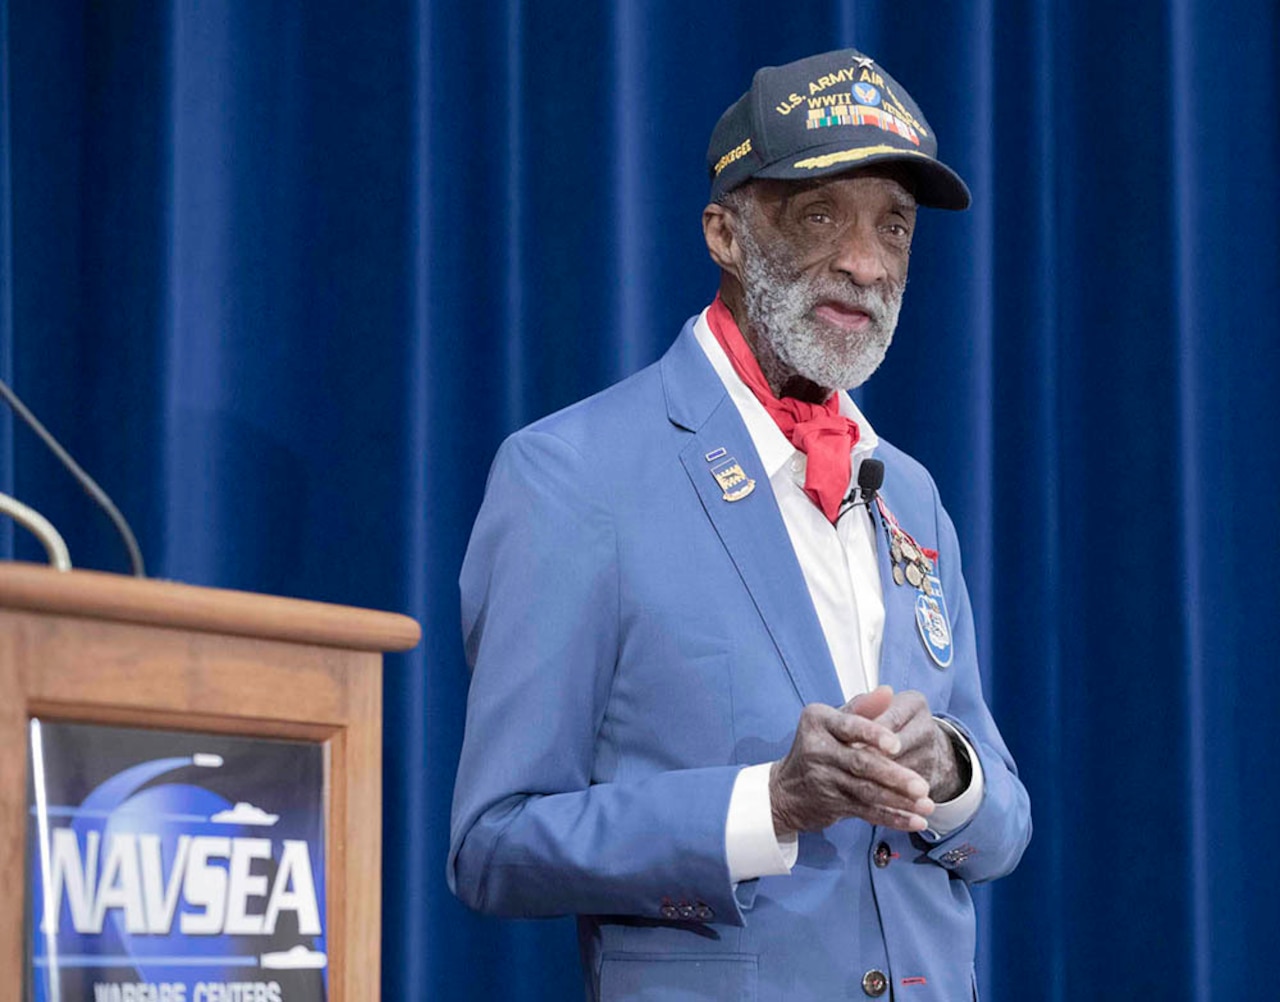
(915, 565)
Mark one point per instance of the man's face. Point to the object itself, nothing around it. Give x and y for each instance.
(823, 268)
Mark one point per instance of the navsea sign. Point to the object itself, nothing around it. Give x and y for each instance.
(174, 867)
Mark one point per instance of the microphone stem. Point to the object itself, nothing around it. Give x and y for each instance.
(54, 545)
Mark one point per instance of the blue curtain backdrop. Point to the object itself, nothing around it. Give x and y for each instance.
(283, 274)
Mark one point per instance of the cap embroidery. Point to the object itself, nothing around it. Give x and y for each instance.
(737, 153)
(852, 156)
(789, 104)
(902, 111)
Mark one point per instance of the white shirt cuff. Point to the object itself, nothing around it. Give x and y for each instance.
(750, 845)
(949, 816)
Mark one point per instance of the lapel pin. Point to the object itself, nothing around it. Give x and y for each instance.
(734, 482)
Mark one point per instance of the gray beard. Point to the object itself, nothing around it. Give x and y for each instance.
(779, 312)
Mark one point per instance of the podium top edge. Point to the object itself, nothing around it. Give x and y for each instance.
(152, 602)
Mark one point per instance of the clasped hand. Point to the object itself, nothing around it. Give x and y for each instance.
(882, 757)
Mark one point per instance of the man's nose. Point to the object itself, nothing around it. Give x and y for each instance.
(860, 256)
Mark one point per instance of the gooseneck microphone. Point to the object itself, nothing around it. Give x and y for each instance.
(87, 482)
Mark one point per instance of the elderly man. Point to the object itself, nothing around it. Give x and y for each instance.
(726, 706)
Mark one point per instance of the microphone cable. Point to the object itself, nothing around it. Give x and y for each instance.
(870, 480)
(87, 482)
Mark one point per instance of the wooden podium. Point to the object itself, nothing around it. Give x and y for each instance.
(88, 647)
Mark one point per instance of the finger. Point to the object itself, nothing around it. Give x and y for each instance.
(903, 821)
(850, 728)
(847, 728)
(865, 763)
(905, 707)
(871, 704)
(862, 797)
(917, 735)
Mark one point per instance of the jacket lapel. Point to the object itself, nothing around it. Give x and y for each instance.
(751, 527)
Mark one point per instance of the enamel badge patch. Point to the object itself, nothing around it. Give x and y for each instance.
(933, 622)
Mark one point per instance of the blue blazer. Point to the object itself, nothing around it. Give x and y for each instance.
(636, 640)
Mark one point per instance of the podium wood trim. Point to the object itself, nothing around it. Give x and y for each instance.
(99, 648)
(92, 594)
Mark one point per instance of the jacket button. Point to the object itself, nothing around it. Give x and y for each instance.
(883, 855)
(685, 910)
(704, 913)
(670, 912)
(874, 983)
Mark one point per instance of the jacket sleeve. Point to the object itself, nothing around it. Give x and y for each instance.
(533, 832)
(990, 844)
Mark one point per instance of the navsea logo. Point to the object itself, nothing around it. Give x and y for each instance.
(156, 887)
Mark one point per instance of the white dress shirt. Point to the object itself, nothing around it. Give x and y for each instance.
(844, 584)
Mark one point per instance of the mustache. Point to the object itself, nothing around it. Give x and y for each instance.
(869, 299)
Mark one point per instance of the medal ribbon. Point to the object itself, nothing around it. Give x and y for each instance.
(820, 431)
(891, 519)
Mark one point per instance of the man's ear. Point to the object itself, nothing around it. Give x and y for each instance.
(718, 228)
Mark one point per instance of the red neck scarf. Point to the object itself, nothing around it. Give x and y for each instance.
(820, 431)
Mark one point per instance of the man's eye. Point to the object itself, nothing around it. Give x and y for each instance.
(896, 229)
(820, 218)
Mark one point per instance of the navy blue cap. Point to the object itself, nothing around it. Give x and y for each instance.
(826, 115)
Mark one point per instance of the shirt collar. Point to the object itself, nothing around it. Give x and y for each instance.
(774, 448)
